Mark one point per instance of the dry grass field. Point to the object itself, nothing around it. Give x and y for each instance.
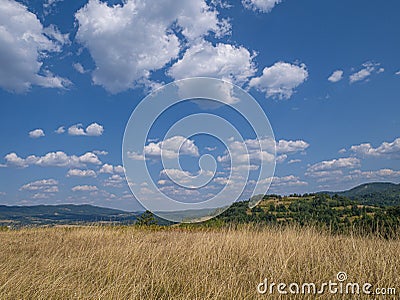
(176, 263)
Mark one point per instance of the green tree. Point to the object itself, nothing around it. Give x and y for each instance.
(146, 218)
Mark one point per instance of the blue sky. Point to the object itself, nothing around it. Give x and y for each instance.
(326, 73)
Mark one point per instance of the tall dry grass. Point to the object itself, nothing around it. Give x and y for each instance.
(174, 263)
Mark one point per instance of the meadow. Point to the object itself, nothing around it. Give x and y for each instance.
(153, 262)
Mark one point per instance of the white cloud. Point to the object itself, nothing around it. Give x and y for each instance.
(100, 152)
(253, 153)
(222, 180)
(284, 146)
(223, 61)
(79, 68)
(280, 80)
(40, 196)
(115, 181)
(281, 158)
(294, 161)
(323, 176)
(106, 168)
(382, 174)
(360, 75)
(176, 173)
(169, 148)
(269, 146)
(176, 190)
(343, 150)
(135, 156)
(89, 158)
(264, 6)
(348, 162)
(49, 6)
(289, 180)
(221, 90)
(110, 169)
(76, 130)
(44, 186)
(398, 72)
(185, 178)
(93, 129)
(368, 69)
(37, 133)
(60, 130)
(210, 148)
(52, 159)
(281, 146)
(336, 76)
(24, 44)
(84, 188)
(124, 57)
(386, 149)
(81, 173)
(53, 32)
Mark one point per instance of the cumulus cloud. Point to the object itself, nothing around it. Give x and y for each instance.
(115, 181)
(262, 149)
(284, 146)
(79, 68)
(24, 44)
(264, 6)
(110, 169)
(53, 32)
(43, 186)
(60, 130)
(289, 180)
(168, 148)
(186, 178)
(253, 154)
(126, 58)
(368, 69)
(280, 80)
(84, 188)
(221, 90)
(294, 161)
(100, 152)
(386, 149)
(93, 129)
(223, 61)
(81, 173)
(37, 133)
(381, 174)
(348, 162)
(52, 159)
(336, 76)
(50, 5)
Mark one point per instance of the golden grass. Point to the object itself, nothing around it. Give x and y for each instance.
(176, 263)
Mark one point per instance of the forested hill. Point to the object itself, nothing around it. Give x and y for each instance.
(375, 193)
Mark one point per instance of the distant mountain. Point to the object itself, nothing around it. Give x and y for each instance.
(374, 193)
(61, 214)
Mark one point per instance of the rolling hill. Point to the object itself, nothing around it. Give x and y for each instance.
(374, 193)
(61, 214)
